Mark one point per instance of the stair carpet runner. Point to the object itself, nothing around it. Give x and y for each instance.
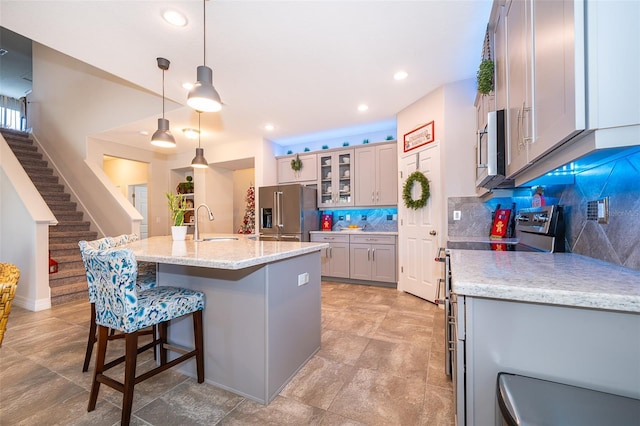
(70, 282)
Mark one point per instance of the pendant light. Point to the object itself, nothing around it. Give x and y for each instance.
(203, 96)
(199, 162)
(163, 137)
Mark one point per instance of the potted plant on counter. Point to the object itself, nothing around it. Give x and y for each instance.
(177, 208)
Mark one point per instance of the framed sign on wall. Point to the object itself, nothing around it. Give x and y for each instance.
(419, 136)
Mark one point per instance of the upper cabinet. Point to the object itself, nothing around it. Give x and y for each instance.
(307, 174)
(335, 180)
(565, 70)
(376, 175)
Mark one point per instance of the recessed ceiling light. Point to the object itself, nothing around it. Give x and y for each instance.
(187, 86)
(191, 133)
(174, 18)
(269, 127)
(143, 132)
(363, 107)
(400, 75)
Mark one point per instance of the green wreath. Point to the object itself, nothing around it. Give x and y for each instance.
(408, 186)
(296, 164)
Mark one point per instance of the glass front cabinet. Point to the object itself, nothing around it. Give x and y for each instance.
(335, 181)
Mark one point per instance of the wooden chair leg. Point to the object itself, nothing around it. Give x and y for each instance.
(100, 355)
(91, 340)
(131, 354)
(162, 333)
(199, 343)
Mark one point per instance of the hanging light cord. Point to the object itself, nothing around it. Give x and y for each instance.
(163, 94)
(199, 131)
(204, 21)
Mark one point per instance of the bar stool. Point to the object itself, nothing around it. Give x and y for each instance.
(119, 305)
(9, 276)
(144, 282)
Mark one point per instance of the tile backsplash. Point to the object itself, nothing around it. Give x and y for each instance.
(382, 220)
(616, 242)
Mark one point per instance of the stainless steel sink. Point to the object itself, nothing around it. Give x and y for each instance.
(219, 239)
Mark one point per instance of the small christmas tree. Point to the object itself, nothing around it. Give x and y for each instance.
(248, 223)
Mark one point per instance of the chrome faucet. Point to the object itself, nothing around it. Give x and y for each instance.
(196, 232)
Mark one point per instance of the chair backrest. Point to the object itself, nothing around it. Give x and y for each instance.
(113, 274)
(102, 244)
(9, 276)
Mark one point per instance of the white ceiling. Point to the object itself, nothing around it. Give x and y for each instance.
(304, 66)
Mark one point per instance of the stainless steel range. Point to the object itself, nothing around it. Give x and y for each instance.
(539, 229)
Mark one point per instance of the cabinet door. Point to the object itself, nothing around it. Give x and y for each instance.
(360, 259)
(500, 61)
(308, 173)
(365, 176)
(325, 261)
(559, 98)
(383, 263)
(386, 169)
(519, 83)
(339, 260)
(335, 180)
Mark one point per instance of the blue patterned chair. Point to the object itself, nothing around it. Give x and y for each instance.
(121, 306)
(145, 281)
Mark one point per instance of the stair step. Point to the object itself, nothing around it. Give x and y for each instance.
(25, 145)
(69, 226)
(56, 196)
(67, 215)
(68, 263)
(71, 236)
(62, 249)
(37, 170)
(49, 187)
(62, 206)
(27, 155)
(28, 162)
(51, 179)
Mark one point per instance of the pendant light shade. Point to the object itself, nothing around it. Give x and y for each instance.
(203, 96)
(163, 137)
(199, 162)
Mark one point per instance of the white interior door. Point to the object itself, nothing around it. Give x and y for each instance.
(139, 201)
(418, 230)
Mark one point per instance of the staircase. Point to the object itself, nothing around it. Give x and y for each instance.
(70, 282)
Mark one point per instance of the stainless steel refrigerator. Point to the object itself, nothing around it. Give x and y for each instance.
(287, 212)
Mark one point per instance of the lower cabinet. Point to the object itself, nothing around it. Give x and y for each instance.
(366, 257)
(335, 258)
(373, 258)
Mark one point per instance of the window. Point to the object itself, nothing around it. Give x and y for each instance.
(11, 113)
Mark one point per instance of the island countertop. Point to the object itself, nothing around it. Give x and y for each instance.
(231, 251)
(550, 278)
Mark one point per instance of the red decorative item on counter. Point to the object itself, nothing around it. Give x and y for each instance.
(500, 223)
(53, 265)
(327, 222)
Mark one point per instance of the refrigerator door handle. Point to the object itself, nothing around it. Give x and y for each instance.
(279, 209)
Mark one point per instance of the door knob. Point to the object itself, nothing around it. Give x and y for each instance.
(432, 232)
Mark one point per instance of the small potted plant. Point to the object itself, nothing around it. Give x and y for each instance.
(485, 76)
(177, 208)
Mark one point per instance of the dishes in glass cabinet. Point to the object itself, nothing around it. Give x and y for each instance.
(327, 162)
(345, 160)
(346, 174)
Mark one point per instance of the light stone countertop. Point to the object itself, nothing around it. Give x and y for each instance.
(356, 232)
(550, 278)
(235, 254)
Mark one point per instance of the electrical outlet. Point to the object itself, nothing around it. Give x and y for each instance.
(303, 279)
(395, 217)
(598, 210)
(457, 215)
(348, 217)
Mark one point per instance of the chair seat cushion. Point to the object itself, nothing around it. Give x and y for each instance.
(157, 305)
(146, 282)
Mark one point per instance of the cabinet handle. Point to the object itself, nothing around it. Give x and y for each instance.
(377, 196)
(368, 254)
(373, 255)
(372, 196)
(330, 250)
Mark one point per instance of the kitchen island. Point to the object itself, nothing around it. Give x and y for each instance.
(560, 317)
(262, 315)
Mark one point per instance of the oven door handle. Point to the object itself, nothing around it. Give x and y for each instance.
(441, 254)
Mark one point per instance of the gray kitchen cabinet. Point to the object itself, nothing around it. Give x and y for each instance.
(373, 258)
(335, 178)
(308, 173)
(376, 175)
(335, 258)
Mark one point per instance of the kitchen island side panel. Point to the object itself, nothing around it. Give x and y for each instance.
(260, 327)
(294, 318)
(590, 348)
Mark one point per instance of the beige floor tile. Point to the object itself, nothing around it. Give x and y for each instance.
(342, 346)
(400, 359)
(378, 398)
(281, 411)
(332, 419)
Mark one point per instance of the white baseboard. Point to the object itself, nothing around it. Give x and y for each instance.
(32, 304)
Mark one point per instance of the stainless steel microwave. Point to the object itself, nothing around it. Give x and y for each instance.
(491, 152)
